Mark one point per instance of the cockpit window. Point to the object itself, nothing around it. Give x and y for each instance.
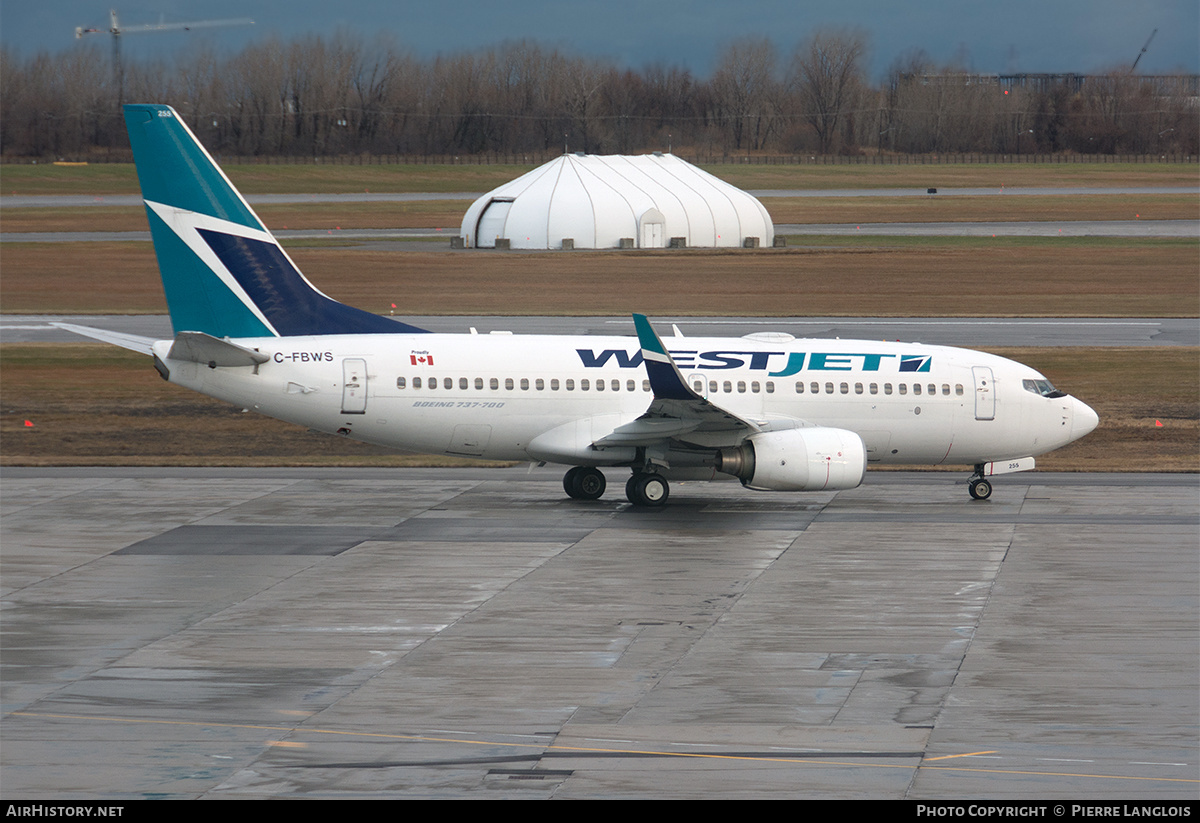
(1042, 387)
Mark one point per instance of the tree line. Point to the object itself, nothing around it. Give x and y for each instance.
(338, 95)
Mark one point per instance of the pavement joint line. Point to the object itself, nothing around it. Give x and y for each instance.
(797, 760)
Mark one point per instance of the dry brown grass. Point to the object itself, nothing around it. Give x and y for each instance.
(1004, 277)
(99, 405)
(1072, 279)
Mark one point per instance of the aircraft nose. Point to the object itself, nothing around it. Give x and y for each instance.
(1084, 420)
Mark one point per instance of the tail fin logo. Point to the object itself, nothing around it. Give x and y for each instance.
(223, 272)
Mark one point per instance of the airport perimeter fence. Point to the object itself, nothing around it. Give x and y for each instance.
(696, 158)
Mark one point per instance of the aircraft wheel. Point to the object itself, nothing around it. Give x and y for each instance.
(649, 490)
(570, 485)
(589, 484)
(584, 483)
(980, 489)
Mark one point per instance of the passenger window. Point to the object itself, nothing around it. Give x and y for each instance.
(770, 387)
(630, 385)
(416, 382)
(858, 388)
(741, 387)
(508, 383)
(584, 384)
(433, 382)
(874, 388)
(845, 388)
(478, 384)
(754, 387)
(815, 388)
(698, 386)
(400, 382)
(462, 382)
(932, 388)
(570, 385)
(946, 389)
(524, 384)
(799, 387)
(599, 385)
(494, 384)
(727, 387)
(645, 385)
(540, 384)
(916, 388)
(958, 389)
(712, 386)
(903, 388)
(887, 388)
(448, 382)
(829, 388)
(553, 384)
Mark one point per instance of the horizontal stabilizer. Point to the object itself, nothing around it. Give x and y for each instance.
(198, 347)
(132, 342)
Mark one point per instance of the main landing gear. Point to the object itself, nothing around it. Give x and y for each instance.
(650, 490)
(643, 489)
(584, 483)
(979, 488)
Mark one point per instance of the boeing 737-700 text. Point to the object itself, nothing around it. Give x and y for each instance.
(775, 412)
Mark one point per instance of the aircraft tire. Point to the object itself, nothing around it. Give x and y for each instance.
(980, 489)
(589, 484)
(569, 482)
(649, 490)
(631, 488)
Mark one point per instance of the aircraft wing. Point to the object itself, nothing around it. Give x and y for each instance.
(676, 409)
(132, 342)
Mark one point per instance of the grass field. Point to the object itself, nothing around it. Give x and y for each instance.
(1094, 277)
(99, 405)
(260, 179)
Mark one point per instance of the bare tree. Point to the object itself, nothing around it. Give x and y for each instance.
(827, 74)
(746, 92)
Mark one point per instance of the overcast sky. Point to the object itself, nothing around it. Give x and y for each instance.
(1002, 36)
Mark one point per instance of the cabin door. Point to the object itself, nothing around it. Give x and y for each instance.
(985, 393)
(354, 386)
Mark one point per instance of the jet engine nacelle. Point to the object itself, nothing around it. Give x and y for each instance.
(797, 460)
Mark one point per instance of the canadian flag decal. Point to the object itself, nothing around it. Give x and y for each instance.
(421, 358)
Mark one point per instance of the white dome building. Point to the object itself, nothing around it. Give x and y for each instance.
(604, 202)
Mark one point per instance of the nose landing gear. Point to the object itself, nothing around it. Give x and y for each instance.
(978, 487)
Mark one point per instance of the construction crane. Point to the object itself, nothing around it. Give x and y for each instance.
(117, 30)
(1143, 51)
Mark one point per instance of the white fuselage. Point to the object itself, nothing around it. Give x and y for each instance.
(526, 397)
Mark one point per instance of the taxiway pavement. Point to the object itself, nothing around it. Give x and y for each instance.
(226, 633)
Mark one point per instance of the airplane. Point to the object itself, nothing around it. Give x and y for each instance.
(775, 412)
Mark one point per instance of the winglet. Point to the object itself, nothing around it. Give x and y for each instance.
(665, 380)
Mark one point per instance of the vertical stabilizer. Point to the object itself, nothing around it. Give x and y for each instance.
(223, 272)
